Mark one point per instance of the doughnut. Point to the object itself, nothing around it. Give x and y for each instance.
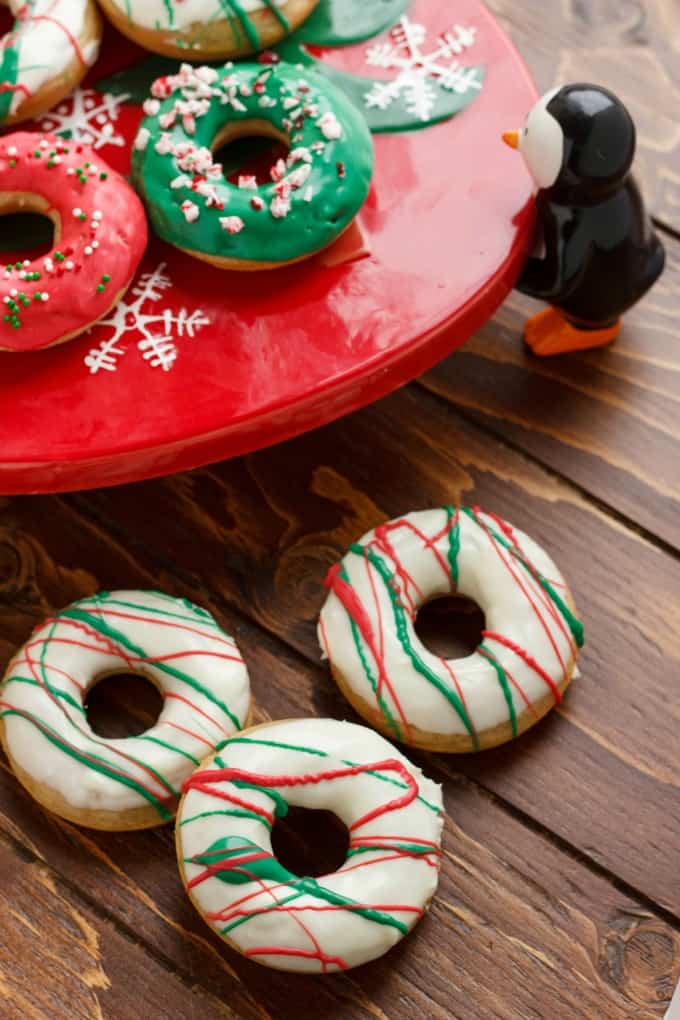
(207, 29)
(313, 195)
(48, 52)
(261, 909)
(100, 235)
(522, 666)
(131, 783)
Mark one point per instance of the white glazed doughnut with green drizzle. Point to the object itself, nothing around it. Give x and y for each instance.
(523, 665)
(394, 818)
(207, 29)
(313, 194)
(49, 49)
(130, 783)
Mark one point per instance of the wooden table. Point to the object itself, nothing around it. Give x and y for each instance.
(560, 892)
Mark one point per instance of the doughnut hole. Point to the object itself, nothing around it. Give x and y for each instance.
(123, 705)
(450, 627)
(310, 843)
(250, 147)
(27, 229)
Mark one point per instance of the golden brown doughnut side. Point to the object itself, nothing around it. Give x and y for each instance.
(218, 41)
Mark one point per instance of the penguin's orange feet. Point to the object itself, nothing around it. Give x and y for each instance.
(549, 333)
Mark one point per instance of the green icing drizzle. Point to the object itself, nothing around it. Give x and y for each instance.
(9, 74)
(320, 754)
(228, 813)
(333, 23)
(99, 624)
(64, 695)
(90, 755)
(402, 625)
(359, 645)
(574, 624)
(97, 763)
(505, 686)
(454, 542)
(241, 23)
(266, 868)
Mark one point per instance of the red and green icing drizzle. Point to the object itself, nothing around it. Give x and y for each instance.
(11, 46)
(91, 626)
(236, 860)
(405, 598)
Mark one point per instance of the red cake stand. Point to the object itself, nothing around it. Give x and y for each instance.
(199, 365)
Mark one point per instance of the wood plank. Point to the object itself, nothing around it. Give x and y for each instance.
(58, 958)
(609, 419)
(260, 533)
(632, 48)
(512, 904)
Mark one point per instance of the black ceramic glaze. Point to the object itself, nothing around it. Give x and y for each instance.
(601, 251)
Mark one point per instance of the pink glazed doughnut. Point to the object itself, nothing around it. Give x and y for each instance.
(100, 235)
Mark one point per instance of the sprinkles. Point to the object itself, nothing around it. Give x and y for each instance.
(313, 191)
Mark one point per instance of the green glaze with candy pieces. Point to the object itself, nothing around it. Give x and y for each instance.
(312, 195)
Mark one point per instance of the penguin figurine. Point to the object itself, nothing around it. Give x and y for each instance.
(601, 251)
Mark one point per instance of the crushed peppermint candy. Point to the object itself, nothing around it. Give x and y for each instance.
(330, 126)
(279, 207)
(142, 139)
(191, 211)
(193, 91)
(232, 224)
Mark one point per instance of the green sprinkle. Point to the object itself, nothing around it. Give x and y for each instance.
(12, 162)
(103, 177)
(106, 278)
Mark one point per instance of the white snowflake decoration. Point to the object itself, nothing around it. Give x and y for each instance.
(159, 351)
(88, 117)
(418, 72)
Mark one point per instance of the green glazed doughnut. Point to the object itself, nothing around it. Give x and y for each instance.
(313, 195)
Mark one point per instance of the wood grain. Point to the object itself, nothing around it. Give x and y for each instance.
(512, 903)
(608, 420)
(560, 892)
(260, 534)
(58, 958)
(630, 46)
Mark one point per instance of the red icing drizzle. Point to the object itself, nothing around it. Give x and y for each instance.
(204, 781)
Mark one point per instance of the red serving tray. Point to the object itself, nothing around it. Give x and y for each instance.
(447, 224)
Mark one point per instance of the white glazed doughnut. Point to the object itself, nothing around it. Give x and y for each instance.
(392, 812)
(130, 783)
(520, 670)
(46, 54)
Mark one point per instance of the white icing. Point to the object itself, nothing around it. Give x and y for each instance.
(154, 13)
(172, 634)
(400, 880)
(541, 143)
(44, 38)
(487, 575)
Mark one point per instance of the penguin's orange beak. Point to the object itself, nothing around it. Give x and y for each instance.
(511, 138)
